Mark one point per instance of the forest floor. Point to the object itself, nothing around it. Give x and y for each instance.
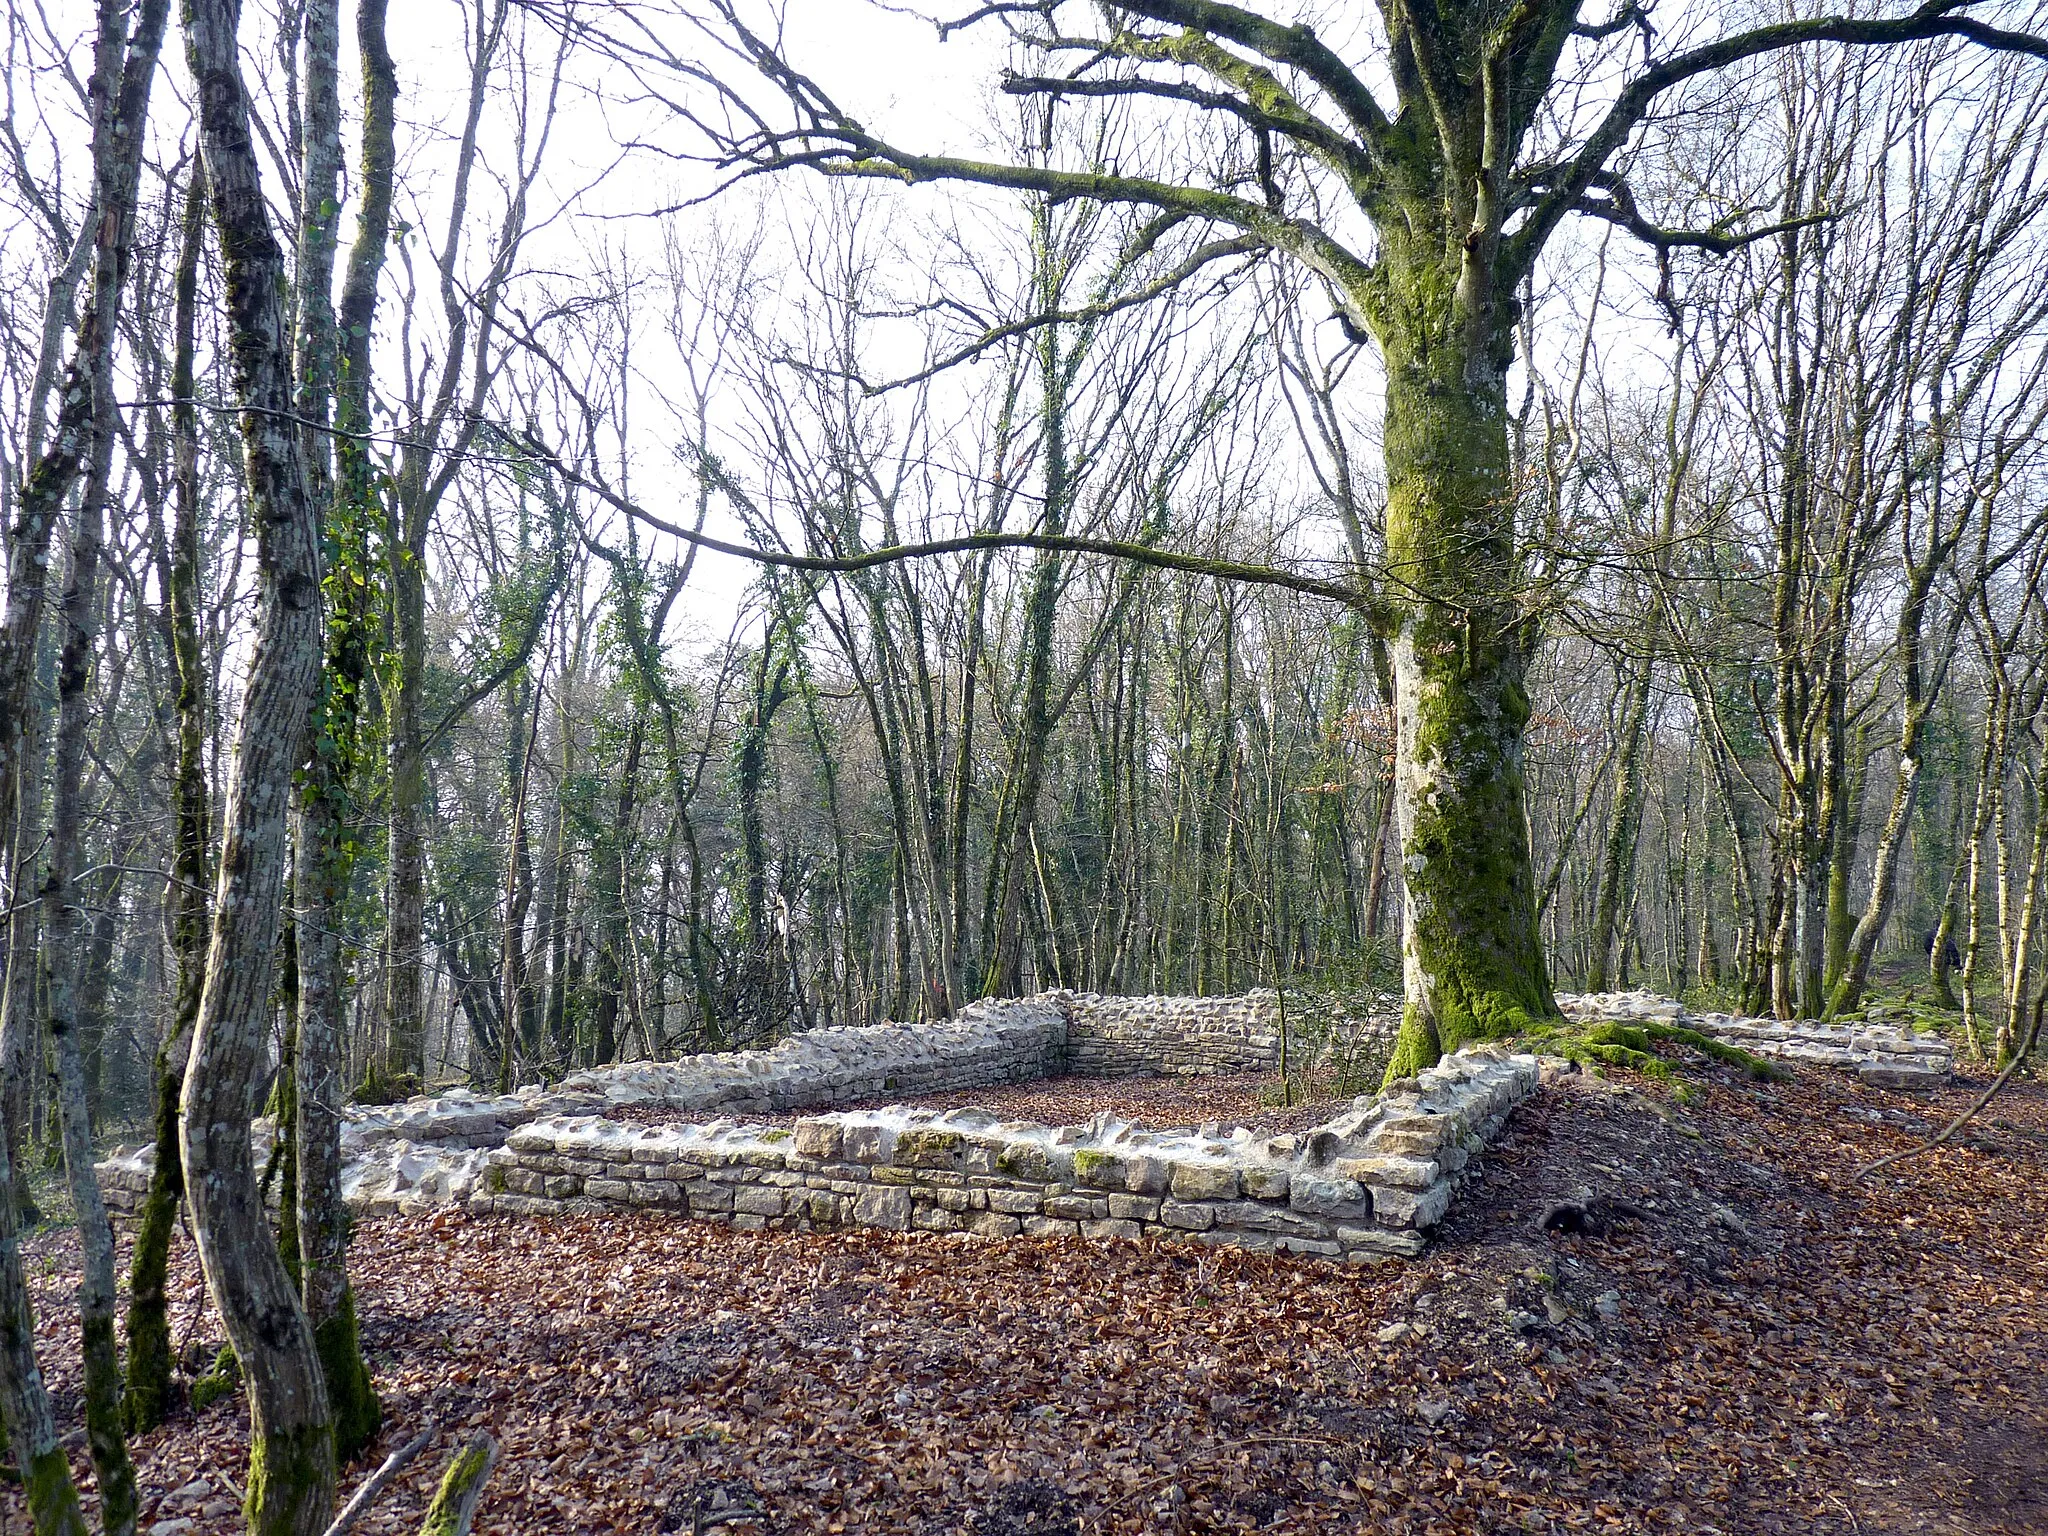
(1766, 1345)
(1157, 1103)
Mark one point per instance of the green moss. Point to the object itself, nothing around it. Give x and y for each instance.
(494, 1179)
(776, 1135)
(105, 1440)
(459, 1488)
(1024, 1163)
(148, 1396)
(1613, 1044)
(223, 1379)
(1100, 1169)
(929, 1148)
(208, 1390)
(291, 1480)
(381, 1086)
(52, 1496)
(350, 1393)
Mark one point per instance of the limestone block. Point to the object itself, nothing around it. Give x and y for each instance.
(1402, 1172)
(869, 1144)
(561, 1186)
(821, 1139)
(1186, 1215)
(717, 1198)
(1256, 1216)
(1146, 1175)
(1266, 1183)
(608, 1189)
(1076, 1207)
(657, 1192)
(1411, 1208)
(953, 1199)
(757, 1200)
(1099, 1170)
(931, 1218)
(1379, 1242)
(1330, 1197)
(883, 1207)
(1045, 1226)
(1133, 1208)
(929, 1147)
(1016, 1202)
(994, 1224)
(1128, 1230)
(1900, 1074)
(825, 1209)
(1204, 1181)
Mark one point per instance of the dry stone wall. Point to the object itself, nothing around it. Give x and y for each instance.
(1366, 1185)
(1885, 1055)
(1164, 1036)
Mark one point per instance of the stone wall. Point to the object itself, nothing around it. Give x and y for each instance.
(1164, 1036)
(1366, 1185)
(1885, 1055)
(427, 1150)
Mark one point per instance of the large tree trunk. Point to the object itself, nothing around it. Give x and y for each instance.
(1473, 965)
(291, 1470)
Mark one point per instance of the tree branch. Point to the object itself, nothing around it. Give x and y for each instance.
(1936, 18)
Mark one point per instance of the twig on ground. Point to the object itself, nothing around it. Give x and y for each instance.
(395, 1463)
(2025, 1050)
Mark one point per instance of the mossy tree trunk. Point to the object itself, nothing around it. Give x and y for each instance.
(332, 366)
(149, 1331)
(1473, 967)
(291, 1471)
(67, 955)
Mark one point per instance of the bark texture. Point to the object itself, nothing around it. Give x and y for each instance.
(149, 1331)
(291, 1472)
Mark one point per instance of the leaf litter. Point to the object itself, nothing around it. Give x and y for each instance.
(1745, 1340)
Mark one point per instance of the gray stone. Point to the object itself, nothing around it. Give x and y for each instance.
(1204, 1181)
(1330, 1197)
(1186, 1215)
(883, 1207)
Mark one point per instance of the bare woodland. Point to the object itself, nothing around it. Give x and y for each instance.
(537, 535)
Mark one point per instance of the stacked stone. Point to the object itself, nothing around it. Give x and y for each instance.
(1366, 1186)
(1167, 1036)
(1887, 1056)
(987, 1044)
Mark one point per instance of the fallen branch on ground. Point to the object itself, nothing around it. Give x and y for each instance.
(1984, 1098)
(454, 1506)
(395, 1463)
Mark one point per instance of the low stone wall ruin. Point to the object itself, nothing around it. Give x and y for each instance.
(1369, 1183)
(1165, 1036)
(1366, 1185)
(1884, 1055)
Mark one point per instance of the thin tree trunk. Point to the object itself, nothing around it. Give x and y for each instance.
(65, 961)
(291, 1470)
(149, 1333)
